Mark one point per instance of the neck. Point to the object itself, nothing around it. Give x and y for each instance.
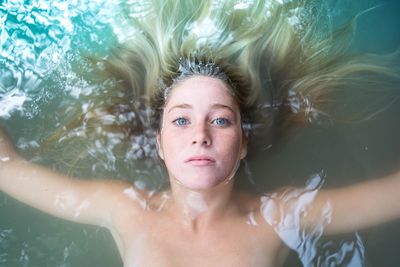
(197, 209)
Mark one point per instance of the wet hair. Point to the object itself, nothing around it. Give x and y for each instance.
(189, 67)
(285, 62)
(283, 59)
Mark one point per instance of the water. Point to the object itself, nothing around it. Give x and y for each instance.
(43, 48)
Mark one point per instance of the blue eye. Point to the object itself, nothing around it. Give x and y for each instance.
(181, 121)
(220, 121)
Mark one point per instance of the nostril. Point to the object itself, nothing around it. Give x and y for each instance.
(201, 136)
(204, 141)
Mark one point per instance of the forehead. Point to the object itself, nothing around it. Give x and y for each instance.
(201, 89)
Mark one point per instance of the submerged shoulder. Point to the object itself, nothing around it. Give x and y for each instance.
(129, 192)
(257, 220)
(267, 208)
(247, 200)
(250, 205)
(117, 194)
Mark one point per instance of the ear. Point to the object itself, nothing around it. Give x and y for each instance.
(243, 152)
(159, 147)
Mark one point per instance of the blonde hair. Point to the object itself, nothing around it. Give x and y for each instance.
(270, 46)
(276, 50)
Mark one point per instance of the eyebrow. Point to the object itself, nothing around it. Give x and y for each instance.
(213, 106)
(183, 106)
(218, 106)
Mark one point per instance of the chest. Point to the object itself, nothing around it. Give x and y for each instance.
(162, 244)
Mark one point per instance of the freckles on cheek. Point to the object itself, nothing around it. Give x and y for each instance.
(169, 145)
(233, 147)
(232, 138)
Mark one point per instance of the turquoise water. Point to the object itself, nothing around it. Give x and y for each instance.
(42, 43)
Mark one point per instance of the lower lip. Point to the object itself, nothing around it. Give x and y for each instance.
(201, 162)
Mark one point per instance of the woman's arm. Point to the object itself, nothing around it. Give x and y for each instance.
(361, 205)
(81, 201)
(297, 213)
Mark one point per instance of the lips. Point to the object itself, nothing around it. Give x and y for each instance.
(200, 161)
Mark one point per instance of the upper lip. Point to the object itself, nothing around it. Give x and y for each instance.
(200, 157)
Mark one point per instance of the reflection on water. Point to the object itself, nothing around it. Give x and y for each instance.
(286, 221)
(43, 48)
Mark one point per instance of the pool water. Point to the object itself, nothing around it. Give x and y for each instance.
(44, 46)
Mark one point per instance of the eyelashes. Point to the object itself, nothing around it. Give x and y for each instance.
(219, 121)
(181, 121)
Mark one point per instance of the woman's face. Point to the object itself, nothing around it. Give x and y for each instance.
(201, 139)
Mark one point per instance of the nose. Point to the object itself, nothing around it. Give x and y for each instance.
(201, 135)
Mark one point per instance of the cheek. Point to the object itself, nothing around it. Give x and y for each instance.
(231, 146)
(169, 144)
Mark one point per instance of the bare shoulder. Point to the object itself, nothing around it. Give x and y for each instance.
(121, 192)
(247, 200)
(251, 205)
(110, 199)
(267, 207)
(127, 207)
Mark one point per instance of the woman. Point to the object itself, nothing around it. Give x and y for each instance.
(203, 106)
(202, 220)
